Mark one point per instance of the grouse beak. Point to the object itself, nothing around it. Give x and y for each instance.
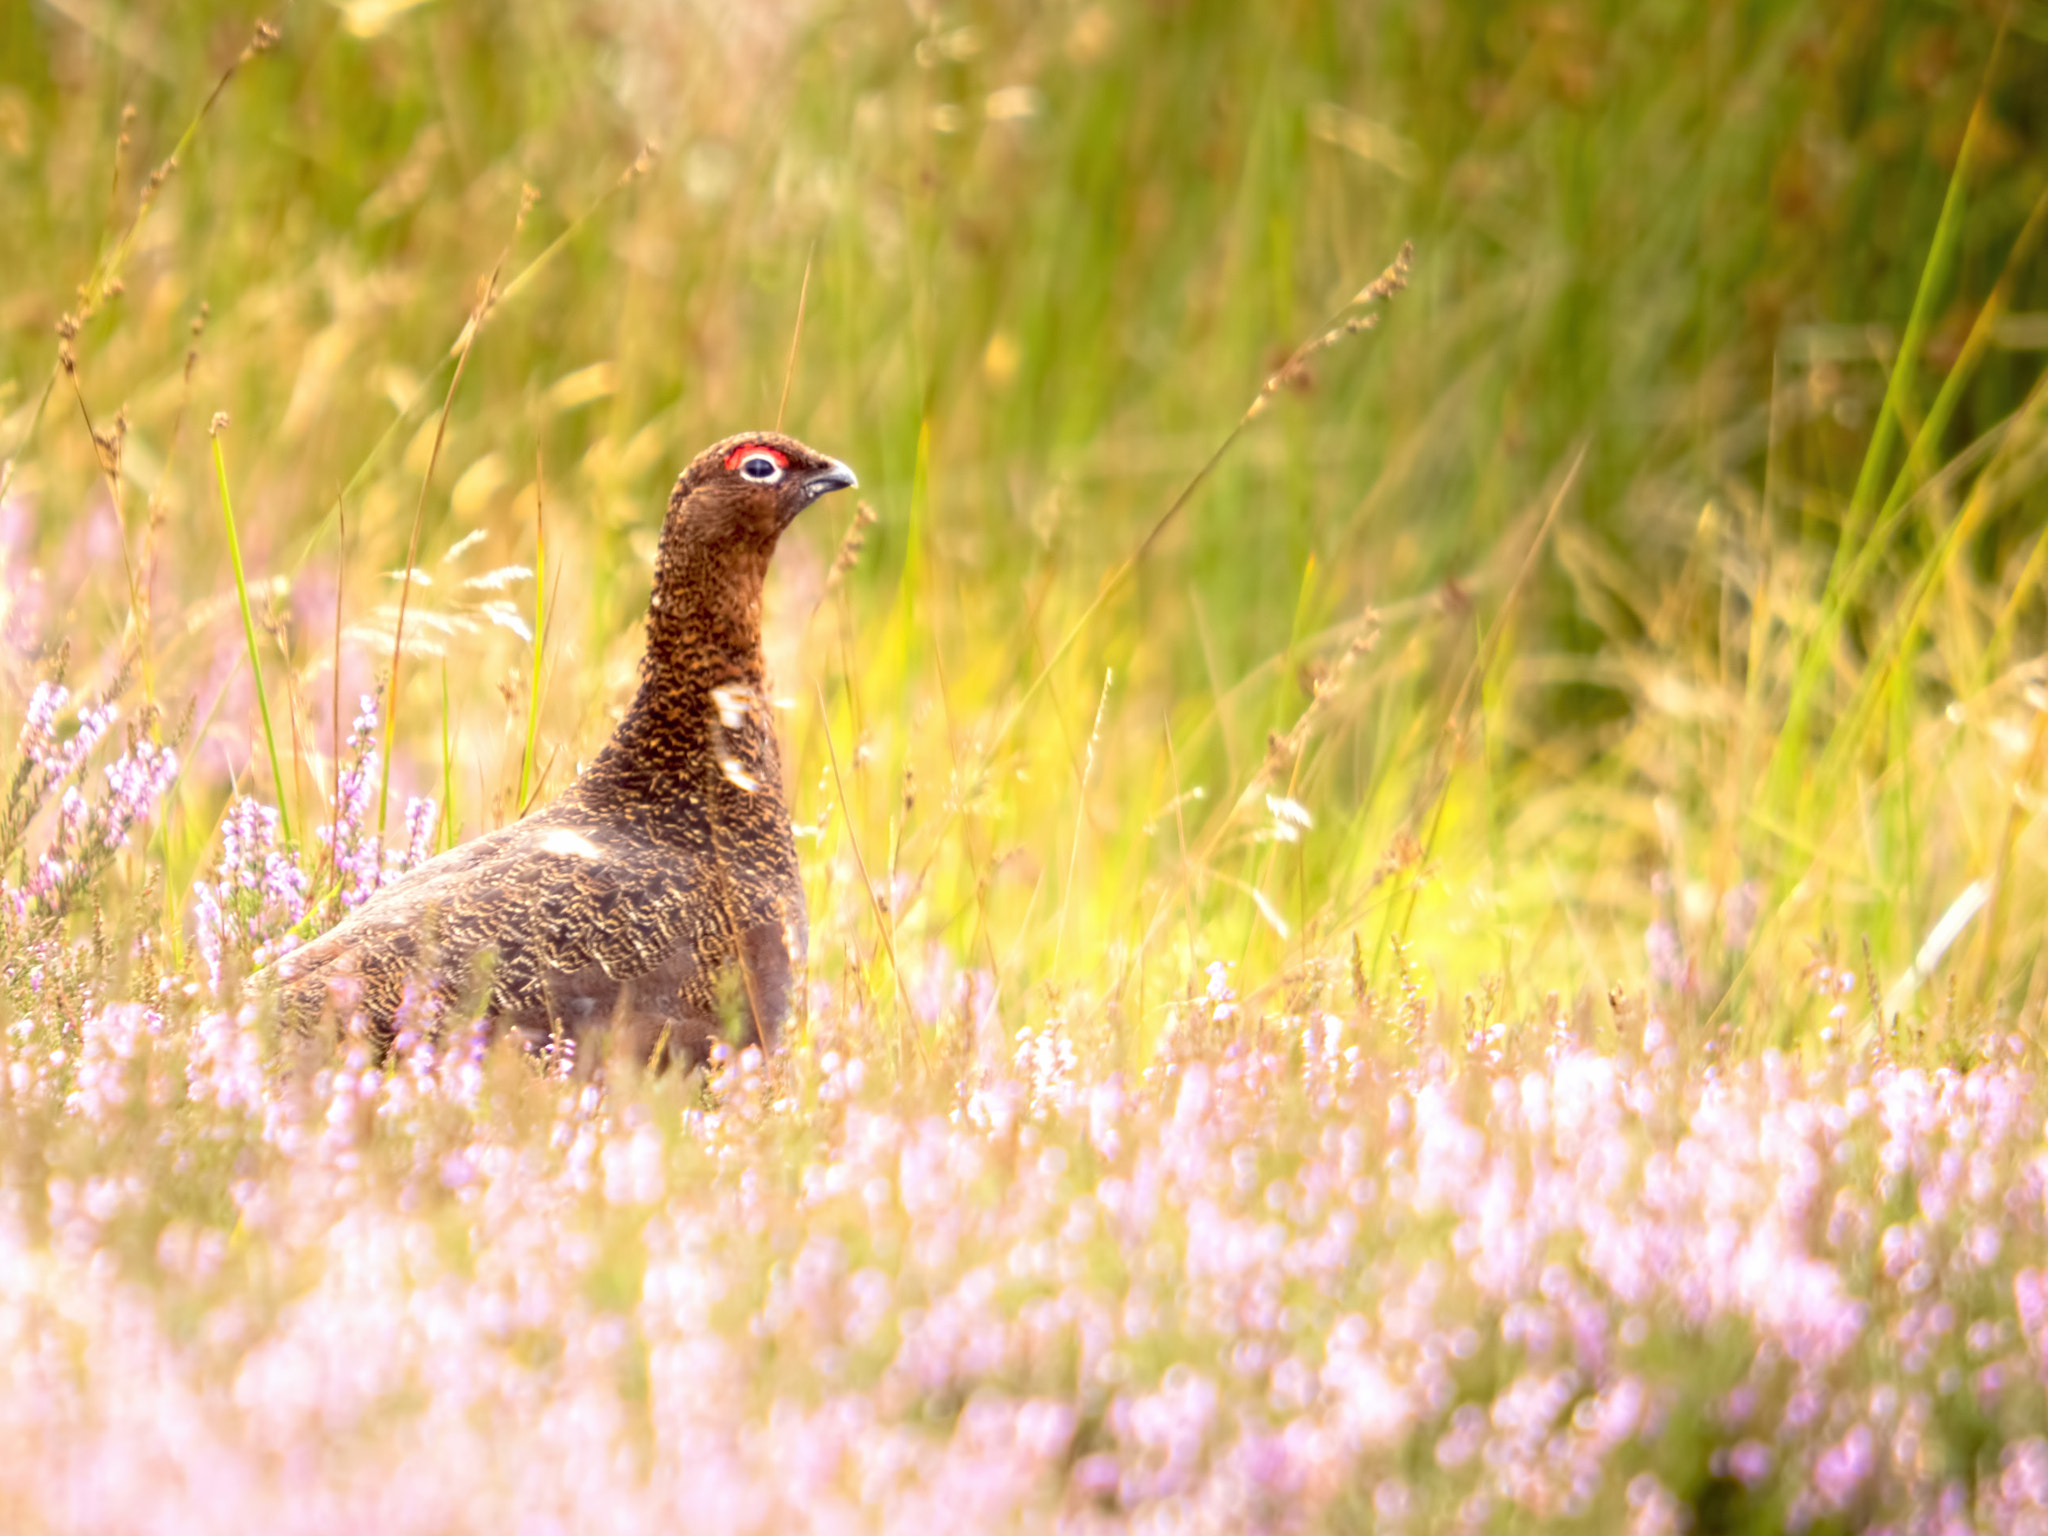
(835, 476)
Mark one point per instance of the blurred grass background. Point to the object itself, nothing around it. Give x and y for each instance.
(1673, 548)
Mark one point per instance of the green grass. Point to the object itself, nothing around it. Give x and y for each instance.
(1690, 496)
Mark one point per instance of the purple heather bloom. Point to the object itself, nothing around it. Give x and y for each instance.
(257, 895)
(1667, 955)
(39, 721)
(1842, 1469)
(356, 848)
(1750, 1462)
(1230, 1289)
(86, 832)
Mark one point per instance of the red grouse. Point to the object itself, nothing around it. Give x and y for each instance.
(666, 875)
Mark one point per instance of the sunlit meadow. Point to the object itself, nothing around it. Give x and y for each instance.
(1427, 891)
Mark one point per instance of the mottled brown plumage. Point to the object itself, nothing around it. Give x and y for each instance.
(669, 865)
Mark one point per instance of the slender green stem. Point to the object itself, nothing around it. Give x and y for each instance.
(447, 766)
(540, 624)
(227, 512)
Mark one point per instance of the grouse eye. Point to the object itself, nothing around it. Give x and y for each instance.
(760, 469)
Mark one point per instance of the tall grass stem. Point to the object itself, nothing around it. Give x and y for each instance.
(227, 512)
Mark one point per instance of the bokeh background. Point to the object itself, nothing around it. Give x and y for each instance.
(1647, 653)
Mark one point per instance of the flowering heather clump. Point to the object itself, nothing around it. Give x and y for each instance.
(350, 838)
(87, 830)
(422, 819)
(257, 894)
(1273, 1283)
(361, 861)
(42, 762)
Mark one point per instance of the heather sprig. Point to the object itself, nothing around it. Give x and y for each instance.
(262, 898)
(89, 833)
(88, 825)
(355, 849)
(46, 762)
(357, 856)
(256, 896)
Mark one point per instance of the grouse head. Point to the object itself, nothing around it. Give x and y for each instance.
(729, 508)
(742, 492)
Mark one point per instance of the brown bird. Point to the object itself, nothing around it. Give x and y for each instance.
(666, 874)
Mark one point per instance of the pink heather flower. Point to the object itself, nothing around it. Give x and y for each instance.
(225, 1067)
(1168, 1430)
(1328, 1064)
(39, 722)
(1653, 1509)
(422, 821)
(843, 1078)
(111, 1040)
(257, 895)
(356, 848)
(1841, 1470)
(1222, 998)
(1373, 1408)
(633, 1168)
(1105, 1111)
(1750, 1462)
(1464, 1438)
(2030, 1298)
(1046, 1060)
(86, 832)
(1095, 1477)
(1207, 1297)
(2023, 1476)
(1667, 956)
(56, 761)
(1392, 1501)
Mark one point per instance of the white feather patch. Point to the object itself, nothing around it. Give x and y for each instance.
(733, 703)
(575, 844)
(735, 771)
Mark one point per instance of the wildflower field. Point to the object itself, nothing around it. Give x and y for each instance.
(1419, 776)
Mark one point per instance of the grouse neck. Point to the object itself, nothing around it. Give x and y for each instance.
(703, 635)
(704, 619)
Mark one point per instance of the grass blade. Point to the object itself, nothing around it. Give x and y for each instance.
(447, 766)
(227, 512)
(540, 621)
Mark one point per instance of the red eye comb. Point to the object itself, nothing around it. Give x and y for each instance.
(732, 460)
